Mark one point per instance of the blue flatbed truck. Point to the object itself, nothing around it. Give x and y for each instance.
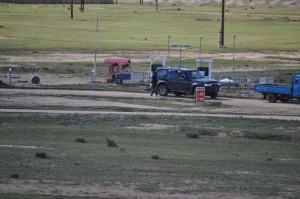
(274, 92)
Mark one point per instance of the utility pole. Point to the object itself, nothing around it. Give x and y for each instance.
(233, 59)
(169, 39)
(221, 33)
(72, 2)
(96, 46)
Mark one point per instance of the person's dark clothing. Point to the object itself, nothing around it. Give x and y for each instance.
(153, 84)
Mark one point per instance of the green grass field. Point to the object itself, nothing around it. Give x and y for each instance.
(136, 27)
(133, 27)
(257, 157)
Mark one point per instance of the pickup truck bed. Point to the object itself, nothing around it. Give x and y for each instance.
(273, 88)
(280, 92)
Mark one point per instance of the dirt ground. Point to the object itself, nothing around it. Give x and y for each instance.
(103, 101)
(48, 187)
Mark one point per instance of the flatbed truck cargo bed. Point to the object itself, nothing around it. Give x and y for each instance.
(274, 92)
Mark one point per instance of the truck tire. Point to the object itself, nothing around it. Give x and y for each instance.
(162, 90)
(177, 94)
(272, 98)
(265, 95)
(213, 95)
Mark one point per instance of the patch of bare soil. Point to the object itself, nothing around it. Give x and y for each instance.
(99, 101)
(47, 187)
(151, 126)
(23, 147)
(89, 57)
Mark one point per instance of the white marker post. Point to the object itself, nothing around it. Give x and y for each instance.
(9, 76)
(92, 79)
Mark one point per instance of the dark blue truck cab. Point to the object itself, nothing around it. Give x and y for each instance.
(274, 92)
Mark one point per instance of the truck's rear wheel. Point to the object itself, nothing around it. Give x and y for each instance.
(162, 90)
(214, 95)
(272, 98)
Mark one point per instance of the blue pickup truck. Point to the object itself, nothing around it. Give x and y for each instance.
(274, 92)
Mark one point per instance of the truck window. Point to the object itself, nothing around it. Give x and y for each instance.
(181, 75)
(173, 74)
(161, 73)
(296, 81)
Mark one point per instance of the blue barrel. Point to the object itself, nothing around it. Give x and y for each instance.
(35, 80)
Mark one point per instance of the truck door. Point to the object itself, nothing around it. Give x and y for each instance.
(296, 86)
(184, 82)
(173, 79)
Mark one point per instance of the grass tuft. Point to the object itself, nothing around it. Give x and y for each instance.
(111, 143)
(192, 135)
(81, 140)
(155, 157)
(41, 155)
(269, 159)
(15, 175)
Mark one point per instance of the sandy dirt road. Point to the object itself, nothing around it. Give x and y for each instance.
(114, 102)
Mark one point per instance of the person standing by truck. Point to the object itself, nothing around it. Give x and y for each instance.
(153, 84)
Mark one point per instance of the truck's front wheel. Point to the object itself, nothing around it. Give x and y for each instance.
(162, 90)
(272, 98)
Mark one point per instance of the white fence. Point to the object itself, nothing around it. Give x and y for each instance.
(139, 77)
(242, 80)
(144, 77)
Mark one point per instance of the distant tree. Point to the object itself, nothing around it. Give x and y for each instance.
(141, 1)
(156, 5)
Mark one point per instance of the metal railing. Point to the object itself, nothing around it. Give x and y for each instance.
(139, 77)
(243, 80)
(144, 77)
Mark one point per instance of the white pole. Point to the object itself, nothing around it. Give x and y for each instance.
(200, 46)
(10, 76)
(96, 46)
(233, 50)
(169, 37)
(92, 79)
